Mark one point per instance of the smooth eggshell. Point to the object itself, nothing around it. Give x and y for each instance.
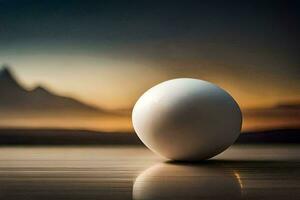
(187, 119)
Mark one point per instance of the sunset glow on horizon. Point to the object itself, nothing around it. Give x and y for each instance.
(101, 82)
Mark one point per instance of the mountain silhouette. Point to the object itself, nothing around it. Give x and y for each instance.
(16, 99)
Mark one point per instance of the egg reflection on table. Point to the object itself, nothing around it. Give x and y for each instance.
(187, 119)
(169, 181)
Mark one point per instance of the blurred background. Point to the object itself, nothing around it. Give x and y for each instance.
(81, 65)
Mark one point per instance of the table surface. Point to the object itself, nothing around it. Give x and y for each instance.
(124, 172)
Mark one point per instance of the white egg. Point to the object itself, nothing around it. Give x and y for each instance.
(187, 119)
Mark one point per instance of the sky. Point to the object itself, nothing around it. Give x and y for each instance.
(108, 53)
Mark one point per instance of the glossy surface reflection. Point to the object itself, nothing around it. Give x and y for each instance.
(173, 181)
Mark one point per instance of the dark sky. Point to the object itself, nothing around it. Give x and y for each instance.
(250, 48)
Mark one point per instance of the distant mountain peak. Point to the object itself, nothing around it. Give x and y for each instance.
(8, 80)
(40, 90)
(5, 73)
(16, 99)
